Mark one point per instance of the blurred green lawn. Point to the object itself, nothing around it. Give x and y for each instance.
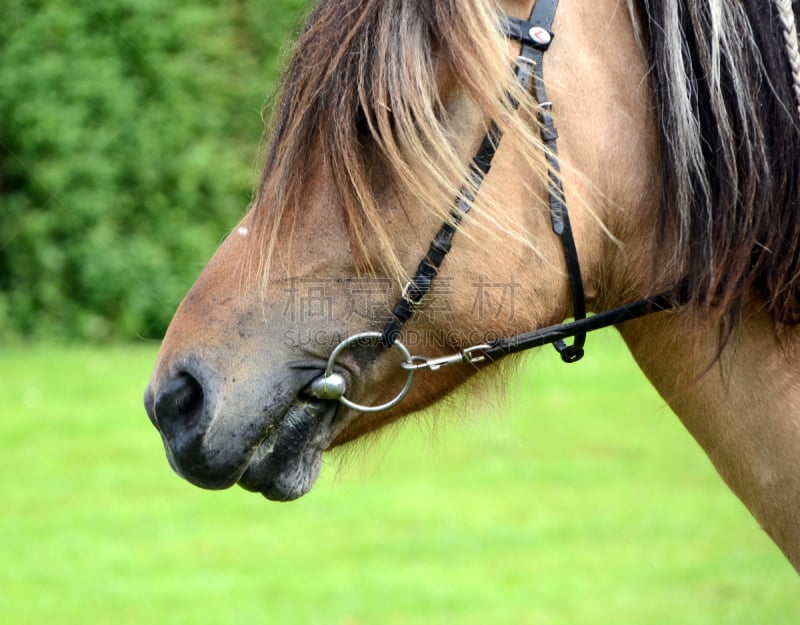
(584, 501)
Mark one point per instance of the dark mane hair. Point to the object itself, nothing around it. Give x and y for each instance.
(728, 114)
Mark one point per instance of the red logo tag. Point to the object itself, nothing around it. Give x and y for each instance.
(540, 35)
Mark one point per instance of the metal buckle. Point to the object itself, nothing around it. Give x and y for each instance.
(404, 295)
(470, 356)
(525, 60)
(333, 386)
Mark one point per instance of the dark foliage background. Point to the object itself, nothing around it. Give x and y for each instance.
(129, 135)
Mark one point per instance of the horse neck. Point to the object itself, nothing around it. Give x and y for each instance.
(743, 408)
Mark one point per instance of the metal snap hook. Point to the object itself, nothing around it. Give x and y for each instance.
(333, 386)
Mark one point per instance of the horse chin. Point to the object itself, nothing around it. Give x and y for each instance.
(287, 463)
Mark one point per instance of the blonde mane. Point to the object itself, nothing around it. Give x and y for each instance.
(363, 99)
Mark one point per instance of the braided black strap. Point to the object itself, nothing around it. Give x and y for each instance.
(419, 286)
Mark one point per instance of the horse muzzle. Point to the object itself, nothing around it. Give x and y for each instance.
(219, 432)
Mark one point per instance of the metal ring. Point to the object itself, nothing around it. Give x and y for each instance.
(373, 337)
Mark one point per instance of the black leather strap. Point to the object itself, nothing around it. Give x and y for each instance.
(553, 334)
(534, 36)
(420, 284)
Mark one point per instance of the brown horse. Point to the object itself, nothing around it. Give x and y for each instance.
(679, 159)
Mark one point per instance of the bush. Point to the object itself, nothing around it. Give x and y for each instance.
(128, 145)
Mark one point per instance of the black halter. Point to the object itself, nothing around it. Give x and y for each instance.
(534, 36)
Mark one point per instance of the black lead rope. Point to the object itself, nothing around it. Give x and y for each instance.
(534, 36)
(554, 334)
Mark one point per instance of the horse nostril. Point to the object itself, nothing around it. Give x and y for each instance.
(179, 403)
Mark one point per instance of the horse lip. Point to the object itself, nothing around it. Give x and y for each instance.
(309, 364)
(285, 462)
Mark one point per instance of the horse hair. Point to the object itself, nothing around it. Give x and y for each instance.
(788, 21)
(361, 98)
(723, 84)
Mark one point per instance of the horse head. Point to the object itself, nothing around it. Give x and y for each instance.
(370, 145)
(677, 155)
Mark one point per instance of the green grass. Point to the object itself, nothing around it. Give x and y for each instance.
(585, 502)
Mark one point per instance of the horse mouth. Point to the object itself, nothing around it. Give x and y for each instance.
(286, 462)
(271, 443)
